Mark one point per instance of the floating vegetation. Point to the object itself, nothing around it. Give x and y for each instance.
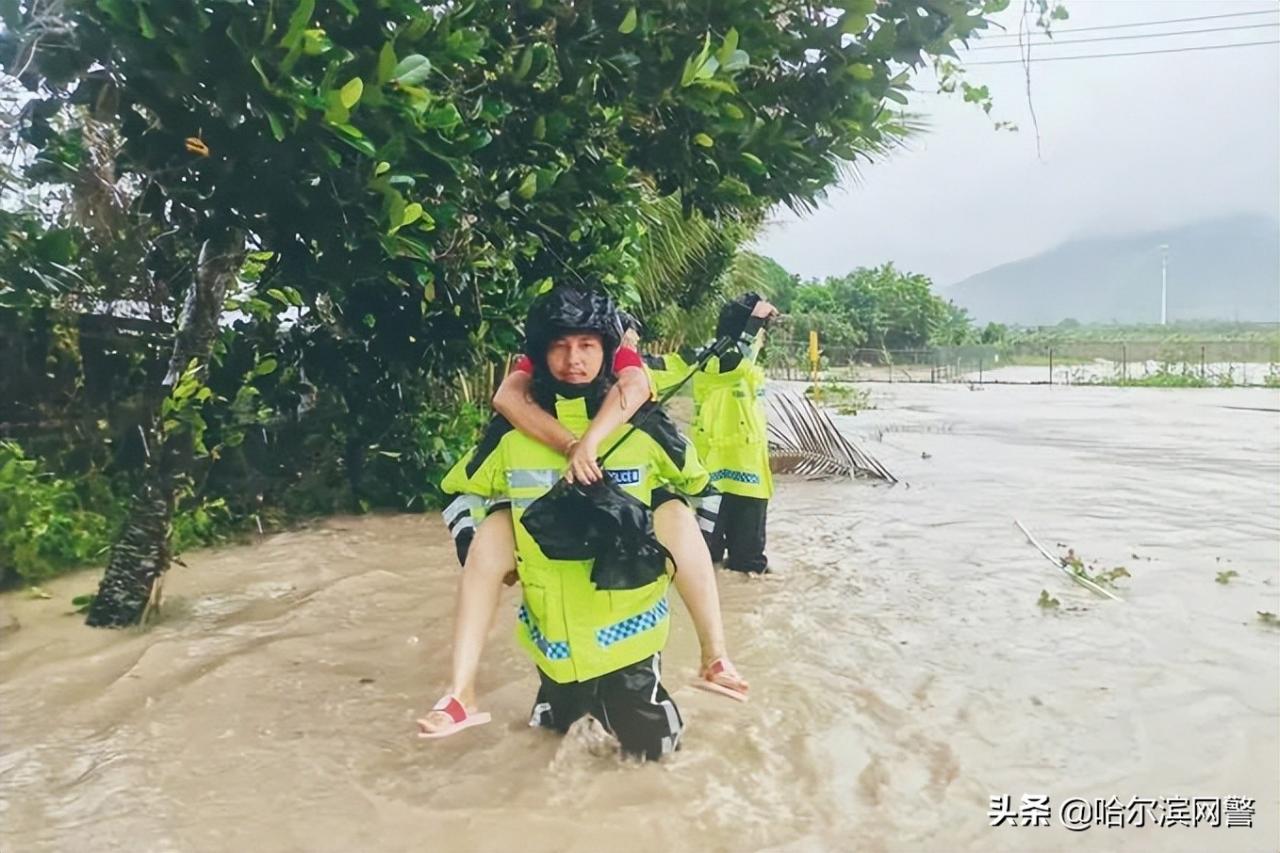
(844, 398)
(1073, 567)
(1091, 572)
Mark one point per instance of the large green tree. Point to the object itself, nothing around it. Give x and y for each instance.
(408, 174)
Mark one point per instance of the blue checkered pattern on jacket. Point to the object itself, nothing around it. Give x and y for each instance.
(630, 627)
(554, 651)
(737, 476)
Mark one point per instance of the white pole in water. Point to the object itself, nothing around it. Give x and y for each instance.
(1164, 284)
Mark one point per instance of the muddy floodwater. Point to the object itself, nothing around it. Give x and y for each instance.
(902, 673)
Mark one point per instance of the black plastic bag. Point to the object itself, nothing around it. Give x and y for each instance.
(599, 522)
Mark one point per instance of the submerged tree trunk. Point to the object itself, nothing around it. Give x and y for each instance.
(140, 556)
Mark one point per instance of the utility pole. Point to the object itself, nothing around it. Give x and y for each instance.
(1164, 284)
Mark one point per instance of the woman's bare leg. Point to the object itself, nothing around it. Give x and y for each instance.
(489, 559)
(677, 529)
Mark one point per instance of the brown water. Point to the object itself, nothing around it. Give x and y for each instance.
(902, 672)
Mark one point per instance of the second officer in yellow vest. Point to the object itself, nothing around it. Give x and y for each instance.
(730, 431)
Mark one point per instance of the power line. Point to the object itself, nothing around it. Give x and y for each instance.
(1139, 24)
(1130, 53)
(1055, 42)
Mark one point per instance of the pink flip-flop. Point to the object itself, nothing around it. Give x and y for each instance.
(462, 719)
(710, 680)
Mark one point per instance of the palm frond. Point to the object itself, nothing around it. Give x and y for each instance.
(895, 131)
(804, 441)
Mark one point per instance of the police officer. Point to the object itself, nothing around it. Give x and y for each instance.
(730, 430)
(597, 652)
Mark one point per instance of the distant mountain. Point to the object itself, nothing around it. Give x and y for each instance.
(1219, 269)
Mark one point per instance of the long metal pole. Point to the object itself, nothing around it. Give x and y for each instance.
(1164, 284)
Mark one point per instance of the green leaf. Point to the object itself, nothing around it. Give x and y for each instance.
(733, 111)
(381, 168)
(694, 64)
(298, 23)
(883, 42)
(528, 186)
(753, 162)
(412, 213)
(628, 24)
(413, 69)
(547, 178)
(354, 138)
(443, 118)
(315, 41)
(861, 71)
(738, 60)
(717, 84)
(117, 11)
(335, 112)
(351, 92)
(854, 23)
(862, 7)
(295, 297)
(278, 295)
(703, 140)
(386, 63)
(540, 127)
(896, 96)
(729, 45)
(395, 213)
(265, 367)
(525, 63)
(277, 126)
(145, 26)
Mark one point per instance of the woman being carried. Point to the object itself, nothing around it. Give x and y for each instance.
(486, 543)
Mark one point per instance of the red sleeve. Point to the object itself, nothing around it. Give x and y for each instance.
(626, 357)
(522, 364)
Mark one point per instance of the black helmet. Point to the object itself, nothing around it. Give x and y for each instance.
(734, 316)
(566, 310)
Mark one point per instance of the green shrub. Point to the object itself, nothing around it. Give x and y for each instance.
(206, 523)
(43, 527)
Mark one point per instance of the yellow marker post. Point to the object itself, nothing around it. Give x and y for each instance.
(813, 355)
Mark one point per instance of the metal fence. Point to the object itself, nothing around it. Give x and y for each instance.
(1172, 363)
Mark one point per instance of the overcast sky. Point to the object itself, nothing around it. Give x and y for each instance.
(1128, 144)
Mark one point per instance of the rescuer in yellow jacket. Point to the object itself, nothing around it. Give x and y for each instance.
(597, 651)
(730, 431)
